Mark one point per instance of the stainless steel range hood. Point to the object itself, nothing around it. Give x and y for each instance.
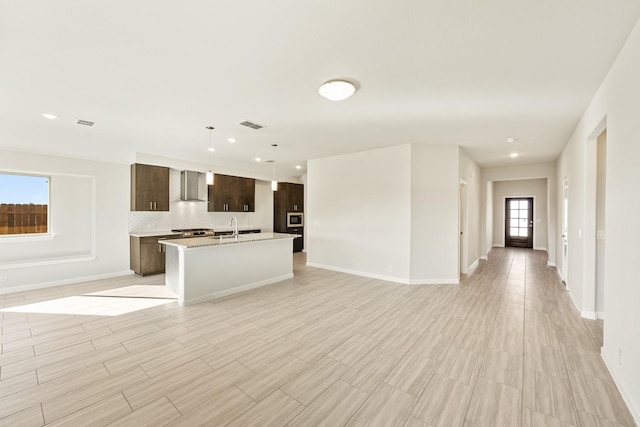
(189, 186)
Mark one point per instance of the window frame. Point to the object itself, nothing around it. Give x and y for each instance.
(32, 236)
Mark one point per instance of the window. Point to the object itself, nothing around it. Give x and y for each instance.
(24, 204)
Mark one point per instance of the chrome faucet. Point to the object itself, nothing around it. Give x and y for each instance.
(235, 231)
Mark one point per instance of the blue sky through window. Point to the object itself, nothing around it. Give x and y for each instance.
(24, 189)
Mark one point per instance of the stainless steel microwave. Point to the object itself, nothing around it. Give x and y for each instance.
(295, 219)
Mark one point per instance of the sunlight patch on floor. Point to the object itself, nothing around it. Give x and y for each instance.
(137, 291)
(90, 305)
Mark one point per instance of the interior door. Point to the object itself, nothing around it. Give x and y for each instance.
(519, 222)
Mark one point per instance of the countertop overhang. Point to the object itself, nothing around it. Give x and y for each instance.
(197, 242)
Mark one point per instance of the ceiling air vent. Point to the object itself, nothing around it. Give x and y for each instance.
(269, 161)
(251, 125)
(85, 122)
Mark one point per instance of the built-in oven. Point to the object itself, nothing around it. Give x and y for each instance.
(295, 219)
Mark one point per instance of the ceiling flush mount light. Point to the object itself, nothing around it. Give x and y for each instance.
(511, 140)
(298, 167)
(258, 159)
(49, 116)
(513, 155)
(337, 90)
(274, 183)
(231, 140)
(210, 149)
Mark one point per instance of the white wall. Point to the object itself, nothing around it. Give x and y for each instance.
(89, 204)
(509, 173)
(390, 213)
(616, 106)
(434, 214)
(536, 188)
(470, 172)
(488, 221)
(358, 213)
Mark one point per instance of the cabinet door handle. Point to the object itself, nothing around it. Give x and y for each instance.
(159, 248)
(155, 206)
(150, 206)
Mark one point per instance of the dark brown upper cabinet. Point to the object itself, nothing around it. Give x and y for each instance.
(288, 198)
(232, 194)
(149, 188)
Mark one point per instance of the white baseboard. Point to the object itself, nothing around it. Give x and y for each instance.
(600, 315)
(71, 281)
(551, 264)
(455, 281)
(235, 290)
(574, 302)
(474, 265)
(497, 246)
(484, 258)
(635, 412)
(540, 249)
(588, 314)
(394, 279)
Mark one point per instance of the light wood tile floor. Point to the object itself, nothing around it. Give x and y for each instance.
(506, 347)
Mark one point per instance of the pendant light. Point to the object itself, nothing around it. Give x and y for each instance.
(211, 149)
(274, 183)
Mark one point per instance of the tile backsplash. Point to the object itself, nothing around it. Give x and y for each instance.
(194, 214)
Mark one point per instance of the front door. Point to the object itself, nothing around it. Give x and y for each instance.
(519, 222)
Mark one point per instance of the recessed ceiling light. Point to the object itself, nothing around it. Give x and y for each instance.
(514, 155)
(231, 140)
(298, 167)
(258, 159)
(211, 149)
(511, 140)
(337, 90)
(49, 116)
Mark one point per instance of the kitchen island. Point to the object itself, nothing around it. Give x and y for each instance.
(204, 268)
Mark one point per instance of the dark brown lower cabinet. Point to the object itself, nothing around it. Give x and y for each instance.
(147, 255)
(298, 242)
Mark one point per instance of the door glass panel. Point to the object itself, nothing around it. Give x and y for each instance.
(523, 232)
(514, 231)
(514, 222)
(522, 222)
(513, 204)
(523, 214)
(524, 204)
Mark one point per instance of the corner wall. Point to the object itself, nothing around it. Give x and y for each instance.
(391, 213)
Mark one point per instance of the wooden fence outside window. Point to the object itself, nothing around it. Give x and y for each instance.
(23, 219)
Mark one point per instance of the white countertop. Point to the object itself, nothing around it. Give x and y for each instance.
(174, 233)
(196, 242)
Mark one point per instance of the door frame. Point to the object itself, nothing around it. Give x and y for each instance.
(564, 237)
(590, 301)
(504, 217)
(463, 227)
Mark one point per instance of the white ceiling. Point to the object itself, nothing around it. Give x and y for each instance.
(153, 74)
